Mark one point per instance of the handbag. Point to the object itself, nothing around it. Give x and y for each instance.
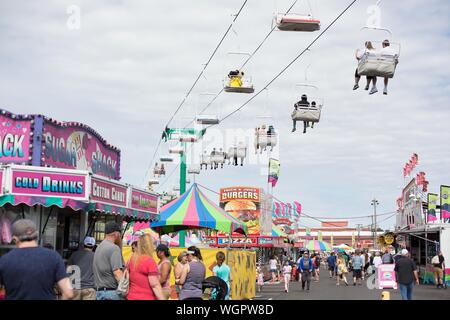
(124, 284)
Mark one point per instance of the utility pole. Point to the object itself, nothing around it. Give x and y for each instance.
(359, 225)
(374, 203)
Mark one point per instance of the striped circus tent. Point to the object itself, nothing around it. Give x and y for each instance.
(192, 210)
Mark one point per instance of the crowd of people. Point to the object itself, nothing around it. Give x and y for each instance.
(358, 265)
(103, 274)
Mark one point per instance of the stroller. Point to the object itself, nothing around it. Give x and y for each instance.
(214, 288)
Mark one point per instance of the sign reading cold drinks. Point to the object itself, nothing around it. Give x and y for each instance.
(49, 184)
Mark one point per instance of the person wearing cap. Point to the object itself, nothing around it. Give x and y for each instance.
(31, 272)
(164, 267)
(84, 260)
(388, 51)
(406, 275)
(306, 268)
(302, 103)
(108, 263)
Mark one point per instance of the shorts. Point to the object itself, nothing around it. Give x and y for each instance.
(438, 272)
(357, 273)
(331, 268)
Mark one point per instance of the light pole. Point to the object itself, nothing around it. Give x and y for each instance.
(374, 203)
(359, 225)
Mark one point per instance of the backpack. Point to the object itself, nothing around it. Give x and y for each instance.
(435, 260)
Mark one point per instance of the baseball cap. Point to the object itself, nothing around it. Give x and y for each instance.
(111, 227)
(404, 252)
(25, 230)
(89, 241)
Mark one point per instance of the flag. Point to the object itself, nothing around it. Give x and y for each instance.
(319, 236)
(274, 171)
(331, 240)
(298, 207)
(432, 202)
(289, 206)
(445, 203)
(283, 209)
(278, 209)
(353, 239)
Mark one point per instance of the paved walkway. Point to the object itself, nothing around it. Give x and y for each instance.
(326, 289)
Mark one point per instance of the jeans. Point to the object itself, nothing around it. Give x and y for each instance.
(306, 277)
(108, 295)
(406, 291)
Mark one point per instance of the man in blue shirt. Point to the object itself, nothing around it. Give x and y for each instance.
(357, 264)
(30, 272)
(331, 261)
(306, 268)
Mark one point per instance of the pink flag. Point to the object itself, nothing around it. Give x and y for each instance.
(298, 207)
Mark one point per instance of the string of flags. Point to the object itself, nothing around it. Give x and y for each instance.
(286, 210)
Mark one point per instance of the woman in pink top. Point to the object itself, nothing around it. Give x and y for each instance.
(165, 267)
(144, 274)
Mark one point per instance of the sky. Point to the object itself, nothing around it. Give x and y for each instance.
(123, 68)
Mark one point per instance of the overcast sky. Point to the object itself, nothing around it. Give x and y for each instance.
(127, 67)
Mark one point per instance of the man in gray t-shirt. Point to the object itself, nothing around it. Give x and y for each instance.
(108, 263)
(84, 259)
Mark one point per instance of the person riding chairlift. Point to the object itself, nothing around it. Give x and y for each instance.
(235, 78)
(302, 103)
(368, 49)
(387, 50)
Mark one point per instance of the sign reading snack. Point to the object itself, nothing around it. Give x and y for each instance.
(144, 201)
(14, 138)
(108, 192)
(76, 146)
(49, 184)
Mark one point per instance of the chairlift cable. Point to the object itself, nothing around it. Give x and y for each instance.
(291, 62)
(245, 63)
(196, 81)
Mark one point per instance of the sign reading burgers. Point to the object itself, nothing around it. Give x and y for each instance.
(244, 204)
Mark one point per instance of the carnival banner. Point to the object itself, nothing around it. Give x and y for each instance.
(274, 171)
(445, 203)
(432, 205)
(15, 138)
(76, 146)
